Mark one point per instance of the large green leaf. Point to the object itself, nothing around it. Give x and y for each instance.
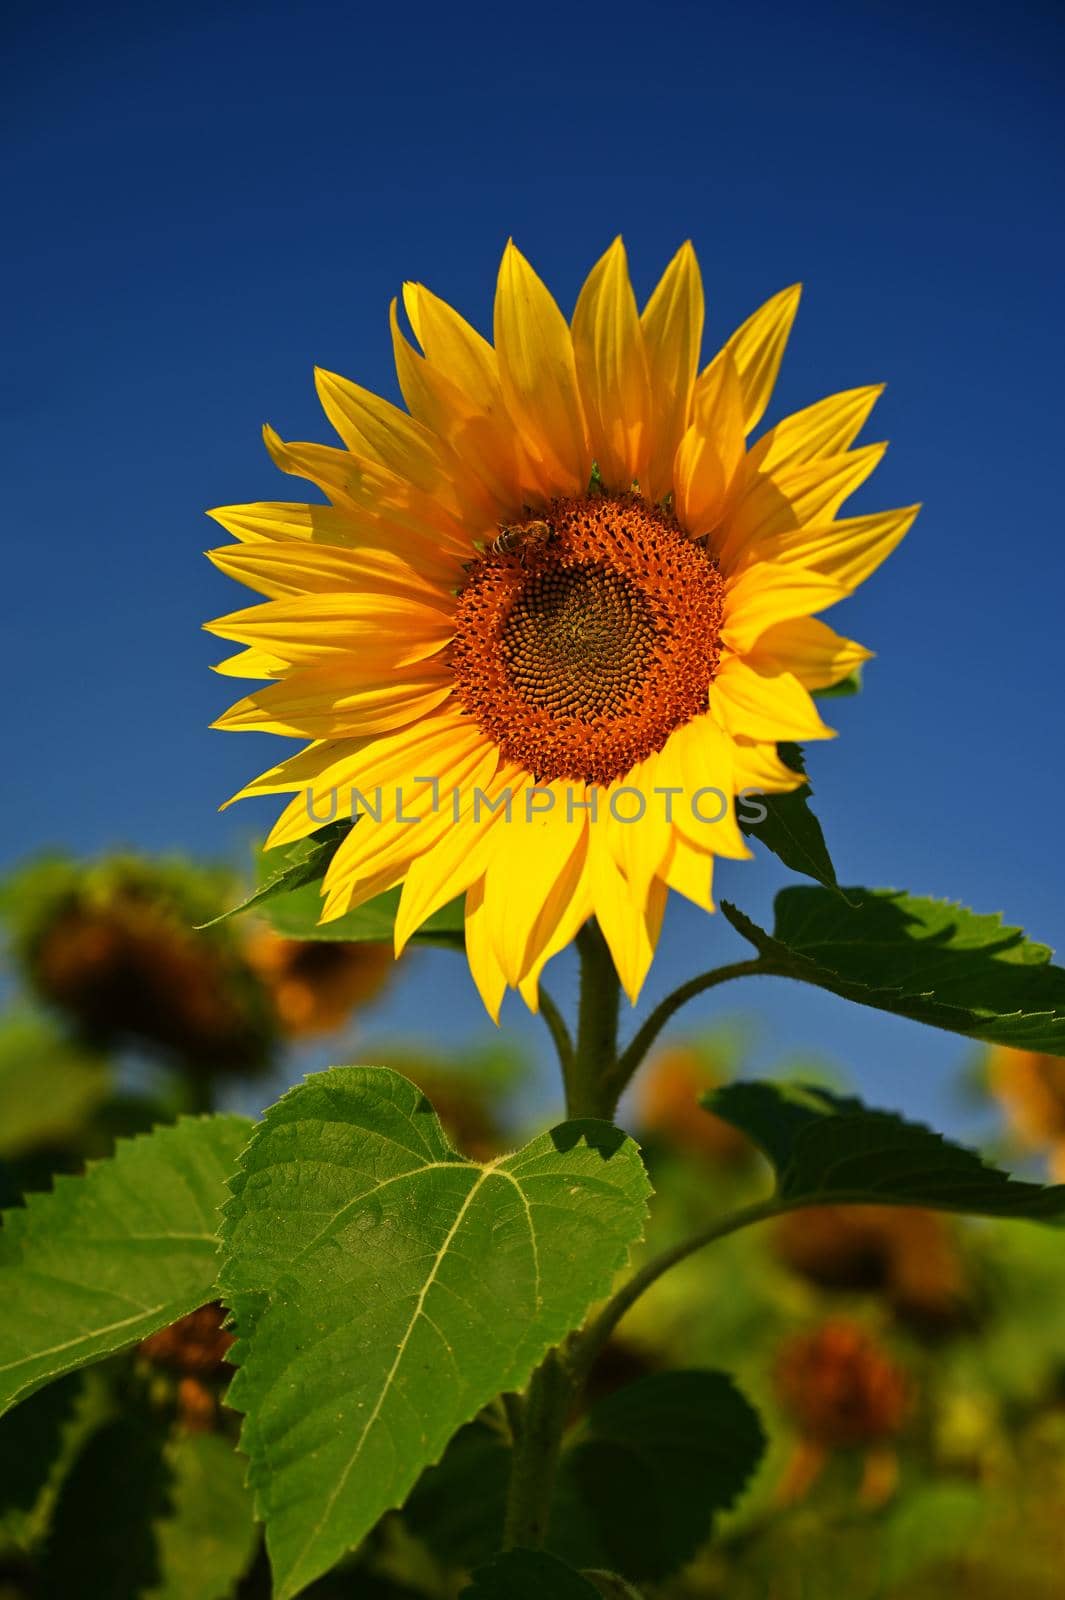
(529, 1575)
(106, 1259)
(927, 959)
(386, 1289)
(790, 828)
(828, 1148)
(644, 1473)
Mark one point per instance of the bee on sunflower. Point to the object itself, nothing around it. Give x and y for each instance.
(573, 697)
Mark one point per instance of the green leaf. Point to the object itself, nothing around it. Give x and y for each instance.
(529, 1575)
(48, 1087)
(208, 1536)
(930, 960)
(290, 899)
(829, 1148)
(386, 1289)
(296, 916)
(610, 1586)
(790, 828)
(101, 1539)
(646, 1470)
(290, 868)
(845, 688)
(106, 1259)
(38, 1441)
(147, 1513)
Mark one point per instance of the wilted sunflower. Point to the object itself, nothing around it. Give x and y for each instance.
(561, 586)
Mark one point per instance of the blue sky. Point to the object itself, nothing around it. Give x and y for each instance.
(208, 200)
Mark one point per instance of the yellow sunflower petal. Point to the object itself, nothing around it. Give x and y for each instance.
(559, 924)
(759, 767)
(455, 348)
(612, 370)
(251, 663)
(672, 324)
(375, 429)
(279, 570)
(766, 507)
(367, 489)
(826, 429)
(690, 871)
(699, 761)
(529, 854)
(706, 468)
(410, 818)
(322, 703)
(847, 550)
(757, 349)
(638, 824)
(458, 859)
(485, 969)
(764, 594)
(333, 776)
(313, 627)
(484, 443)
(810, 649)
(764, 706)
(272, 520)
(628, 929)
(538, 376)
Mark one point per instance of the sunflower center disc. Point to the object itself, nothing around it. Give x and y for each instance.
(583, 639)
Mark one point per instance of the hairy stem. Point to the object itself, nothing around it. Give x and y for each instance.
(534, 1462)
(588, 1083)
(560, 1034)
(631, 1057)
(592, 1338)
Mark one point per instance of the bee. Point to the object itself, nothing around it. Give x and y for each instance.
(521, 538)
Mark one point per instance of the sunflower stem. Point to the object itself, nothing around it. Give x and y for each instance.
(537, 1447)
(627, 1063)
(560, 1034)
(589, 1091)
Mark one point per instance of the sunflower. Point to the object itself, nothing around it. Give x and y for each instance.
(555, 615)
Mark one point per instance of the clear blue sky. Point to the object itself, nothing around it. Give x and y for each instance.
(206, 200)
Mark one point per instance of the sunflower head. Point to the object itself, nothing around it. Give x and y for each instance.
(554, 616)
(840, 1387)
(116, 947)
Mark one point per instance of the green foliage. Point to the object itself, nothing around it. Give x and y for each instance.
(529, 1575)
(290, 868)
(290, 898)
(641, 1477)
(930, 960)
(106, 1259)
(207, 1536)
(386, 1289)
(646, 1470)
(828, 1148)
(790, 828)
(150, 1513)
(48, 1086)
(38, 1441)
(296, 916)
